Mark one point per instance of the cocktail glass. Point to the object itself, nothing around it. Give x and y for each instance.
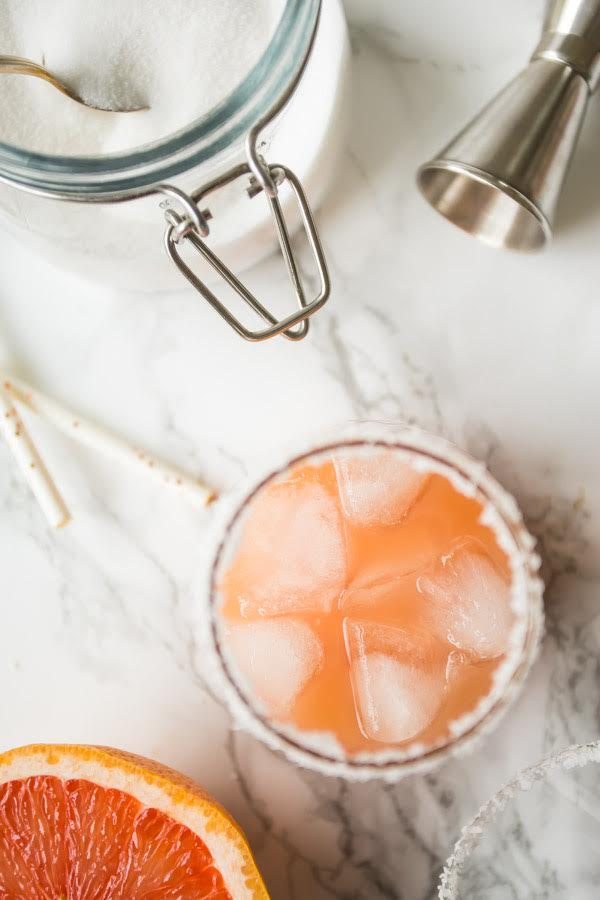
(272, 647)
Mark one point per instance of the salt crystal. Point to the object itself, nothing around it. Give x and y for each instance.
(278, 658)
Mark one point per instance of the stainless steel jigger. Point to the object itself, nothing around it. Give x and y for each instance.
(500, 179)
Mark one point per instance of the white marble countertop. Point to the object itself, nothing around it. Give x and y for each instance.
(498, 352)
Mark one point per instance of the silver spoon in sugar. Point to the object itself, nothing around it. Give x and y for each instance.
(17, 65)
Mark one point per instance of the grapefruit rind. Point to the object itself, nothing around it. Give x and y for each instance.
(154, 786)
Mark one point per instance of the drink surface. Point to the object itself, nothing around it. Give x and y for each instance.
(366, 599)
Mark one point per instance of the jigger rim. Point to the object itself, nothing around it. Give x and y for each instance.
(489, 180)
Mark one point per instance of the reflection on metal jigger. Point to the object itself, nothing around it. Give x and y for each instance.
(500, 179)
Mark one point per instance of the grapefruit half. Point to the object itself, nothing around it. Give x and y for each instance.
(93, 823)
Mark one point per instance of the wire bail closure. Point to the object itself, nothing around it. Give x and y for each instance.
(193, 228)
(190, 223)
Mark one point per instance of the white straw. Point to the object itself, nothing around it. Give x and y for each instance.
(105, 442)
(31, 464)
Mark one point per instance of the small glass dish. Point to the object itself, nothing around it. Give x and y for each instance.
(537, 838)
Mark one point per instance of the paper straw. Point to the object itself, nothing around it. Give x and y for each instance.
(32, 466)
(105, 442)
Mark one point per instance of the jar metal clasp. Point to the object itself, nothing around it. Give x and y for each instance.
(191, 223)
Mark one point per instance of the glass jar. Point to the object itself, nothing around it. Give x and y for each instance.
(284, 124)
(499, 513)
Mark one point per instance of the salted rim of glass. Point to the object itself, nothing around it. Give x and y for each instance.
(499, 512)
(574, 757)
(203, 139)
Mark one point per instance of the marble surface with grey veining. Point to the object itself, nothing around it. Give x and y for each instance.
(498, 352)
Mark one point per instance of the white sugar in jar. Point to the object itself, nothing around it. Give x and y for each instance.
(236, 90)
(175, 60)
